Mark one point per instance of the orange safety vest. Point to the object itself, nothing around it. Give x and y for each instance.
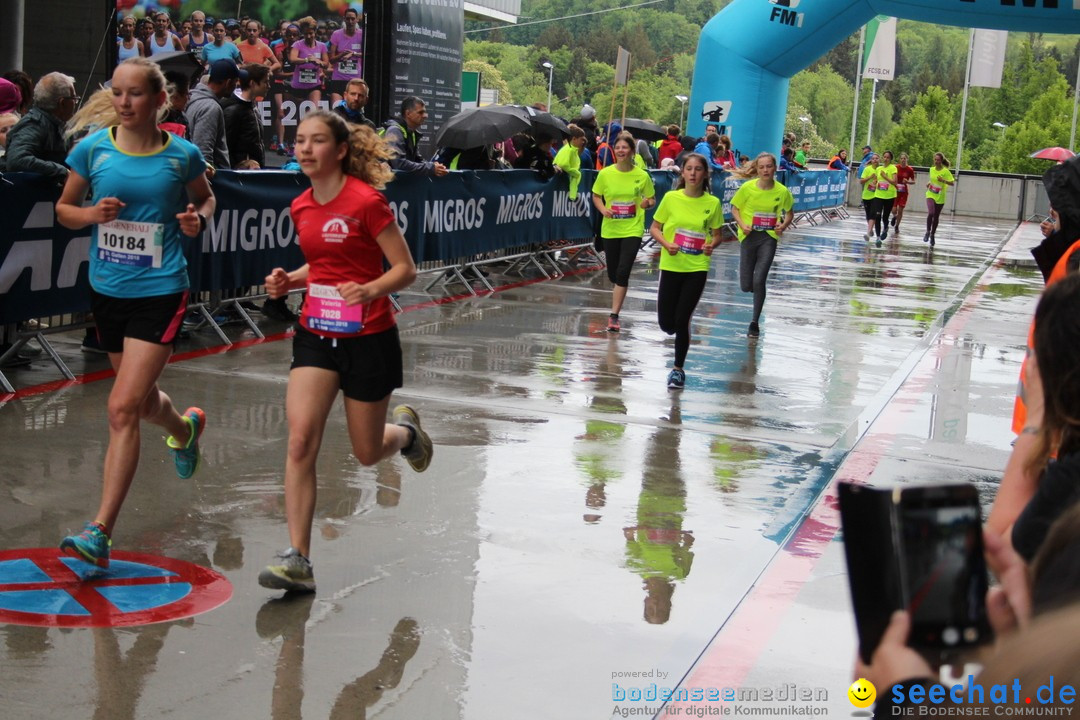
(600, 163)
(1020, 407)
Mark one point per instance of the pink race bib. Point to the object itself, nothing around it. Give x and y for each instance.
(326, 311)
(883, 186)
(934, 189)
(623, 210)
(690, 242)
(764, 222)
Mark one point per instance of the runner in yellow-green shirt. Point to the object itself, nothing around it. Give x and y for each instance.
(568, 159)
(687, 225)
(622, 193)
(762, 209)
(936, 187)
(868, 178)
(886, 194)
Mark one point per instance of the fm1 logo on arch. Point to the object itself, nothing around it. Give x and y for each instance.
(784, 13)
(45, 588)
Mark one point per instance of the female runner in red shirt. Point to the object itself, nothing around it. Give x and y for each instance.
(905, 178)
(347, 339)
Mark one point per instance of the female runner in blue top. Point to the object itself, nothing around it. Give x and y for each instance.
(149, 189)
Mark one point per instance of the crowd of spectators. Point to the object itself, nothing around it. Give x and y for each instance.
(309, 63)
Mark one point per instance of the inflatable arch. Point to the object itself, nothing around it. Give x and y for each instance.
(748, 52)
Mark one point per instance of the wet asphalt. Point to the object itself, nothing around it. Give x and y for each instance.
(580, 522)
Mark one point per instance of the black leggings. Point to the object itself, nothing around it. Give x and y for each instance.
(756, 254)
(933, 214)
(676, 300)
(621, 253)
(872, 208)
(883, 216)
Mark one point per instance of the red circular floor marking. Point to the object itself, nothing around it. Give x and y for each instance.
(137, 589)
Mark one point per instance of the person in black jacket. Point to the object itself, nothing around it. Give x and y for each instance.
(1051, 372)
(36, 142)
(351, 106)
(403, 135)
(536, 155)
(243, 132)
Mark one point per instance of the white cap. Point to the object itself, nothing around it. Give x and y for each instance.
(587, 111)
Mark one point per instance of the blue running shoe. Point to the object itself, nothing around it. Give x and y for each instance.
(90, 546)
(676, 379)
(187, 456)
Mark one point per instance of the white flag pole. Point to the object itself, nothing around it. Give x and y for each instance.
(873, 102)
(963, 118)
(858, 89)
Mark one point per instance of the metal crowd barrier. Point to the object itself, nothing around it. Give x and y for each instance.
(550, 259)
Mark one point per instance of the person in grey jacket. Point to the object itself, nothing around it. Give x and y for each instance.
(403, 134)
(205, 116)
(36, 143)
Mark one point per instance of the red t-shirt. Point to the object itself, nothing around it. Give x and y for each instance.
(338, 242)
(904, 173)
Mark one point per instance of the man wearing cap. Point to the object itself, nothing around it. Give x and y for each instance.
(204, 114)
(36, 142)
(867, 151)
(586, 120)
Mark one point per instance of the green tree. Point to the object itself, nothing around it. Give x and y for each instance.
(806, 130)
(1046, 123)
(555, 36)
(925, 129)
(827, 98)
(490, 79)
(883, 115)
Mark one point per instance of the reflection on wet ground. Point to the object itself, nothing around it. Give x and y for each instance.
(579, 520)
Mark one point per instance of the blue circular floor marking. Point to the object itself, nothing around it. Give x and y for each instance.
(44, 587)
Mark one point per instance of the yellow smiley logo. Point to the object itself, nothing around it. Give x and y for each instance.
(862, 693)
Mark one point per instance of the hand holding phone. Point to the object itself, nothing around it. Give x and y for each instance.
(917, 549)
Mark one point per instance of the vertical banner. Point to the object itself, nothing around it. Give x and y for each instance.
(622, 67)
(879, 53)
(470, 90)
(425, 59)
(988, 58)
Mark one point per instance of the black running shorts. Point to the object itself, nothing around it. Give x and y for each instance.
(152, 319)
(368, 366)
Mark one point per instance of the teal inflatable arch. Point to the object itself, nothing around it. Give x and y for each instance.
(749, 51)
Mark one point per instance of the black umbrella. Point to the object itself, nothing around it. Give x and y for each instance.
(482, 126)
(644, 130)
(544, 124)
(180, 61)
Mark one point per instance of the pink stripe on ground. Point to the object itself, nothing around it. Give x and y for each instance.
(739, 644)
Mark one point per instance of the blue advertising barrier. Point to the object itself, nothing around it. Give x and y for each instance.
(43, 266)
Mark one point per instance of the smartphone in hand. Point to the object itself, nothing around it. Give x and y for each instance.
(919, 549)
